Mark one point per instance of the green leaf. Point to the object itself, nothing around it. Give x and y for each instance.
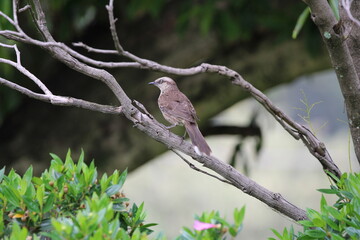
(335, 236)
(334, 4)
(40, 195)
(318, 222)
(337, 180)
(122, 178)
(187, 234)
(239, 216)
(139, 214)
(81, 157)
(30, 191)
(2, 173)
(332, 224)
(276, 233)
(233, 232)
(31, 205)
(68, 156)
(2, 226)
(334, 212)
(49, 203)
(56, 159)
(300, 22)
(306, 223)
(17, 233)
(28, 174)
(328, 191)
(353, 232)
(323, 203)
(347, 194)
(123, 235)
(113, 189)
(12, 195)
(315, 233)
(311, 213)
(57, 225)
(37, 181)
(136, 235)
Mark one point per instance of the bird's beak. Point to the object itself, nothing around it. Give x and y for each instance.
(152, 83)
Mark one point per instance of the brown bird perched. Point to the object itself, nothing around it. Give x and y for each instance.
(178, 110)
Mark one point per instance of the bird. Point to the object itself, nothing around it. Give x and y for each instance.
(178, 110)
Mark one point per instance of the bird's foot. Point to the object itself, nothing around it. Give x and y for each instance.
(171, 126)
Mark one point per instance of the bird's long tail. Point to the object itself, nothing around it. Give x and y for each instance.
(197, 138)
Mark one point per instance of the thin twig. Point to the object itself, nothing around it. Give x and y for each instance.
(114, 34)
(61, 100)
(192, 166)
(23, 70)
(95, 50)
(23, 9)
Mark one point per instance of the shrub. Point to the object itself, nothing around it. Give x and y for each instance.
(69, 202)
(337, 222)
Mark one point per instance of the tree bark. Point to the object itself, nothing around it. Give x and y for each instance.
(344, 57)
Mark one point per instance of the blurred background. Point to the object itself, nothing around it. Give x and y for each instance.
(251, 37)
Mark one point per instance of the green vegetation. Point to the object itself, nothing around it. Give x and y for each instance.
(337, 222)
(69, 201)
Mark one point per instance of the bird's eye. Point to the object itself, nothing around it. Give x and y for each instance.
(160, 81)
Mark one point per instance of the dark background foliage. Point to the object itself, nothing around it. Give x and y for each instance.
(252, 37)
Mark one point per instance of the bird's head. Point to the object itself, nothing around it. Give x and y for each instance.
(164, 83)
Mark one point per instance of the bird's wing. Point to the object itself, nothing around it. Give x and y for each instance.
(179, 106)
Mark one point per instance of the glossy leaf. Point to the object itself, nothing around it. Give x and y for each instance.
(300, 22)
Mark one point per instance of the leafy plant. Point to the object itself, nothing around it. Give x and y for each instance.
(210, 226)
(337, 222)
(68, 202)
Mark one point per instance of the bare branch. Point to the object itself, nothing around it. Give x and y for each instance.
(240, 181)
(112, 21)
(95, 50)
(15, 9)
(23, 70)
(23, 9)
(62, 101)
(7, 18)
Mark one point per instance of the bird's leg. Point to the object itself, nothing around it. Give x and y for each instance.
(183, 137)
(171, 126)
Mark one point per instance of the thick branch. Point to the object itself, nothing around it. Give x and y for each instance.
(332, 33)
(240, 181)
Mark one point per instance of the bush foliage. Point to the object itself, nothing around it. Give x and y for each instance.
(337, 222)
(69, 201)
